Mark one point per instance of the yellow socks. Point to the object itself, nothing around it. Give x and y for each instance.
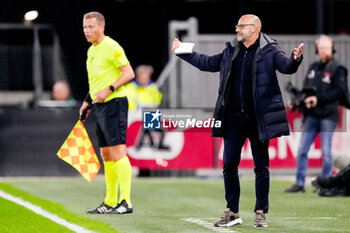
(124, 179)
(118, 173)
(111, 177)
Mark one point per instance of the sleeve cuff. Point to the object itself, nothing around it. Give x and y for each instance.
(88, 98)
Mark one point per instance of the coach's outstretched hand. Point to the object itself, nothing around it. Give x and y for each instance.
(176, 44)
(298, 51)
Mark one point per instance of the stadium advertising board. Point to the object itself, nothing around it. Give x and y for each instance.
(187, 146)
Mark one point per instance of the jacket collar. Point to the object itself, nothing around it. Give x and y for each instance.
(264, 40)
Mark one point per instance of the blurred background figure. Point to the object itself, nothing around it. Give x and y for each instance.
(142, 92)
(328, 80)
(60, 91)
(338, 185)
(61, 94)
(60, 97)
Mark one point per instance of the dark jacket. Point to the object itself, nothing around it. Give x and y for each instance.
(268, 104)
(330, 84)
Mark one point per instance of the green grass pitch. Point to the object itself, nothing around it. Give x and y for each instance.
(161, 204)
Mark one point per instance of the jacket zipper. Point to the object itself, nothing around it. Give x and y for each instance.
(241, 86)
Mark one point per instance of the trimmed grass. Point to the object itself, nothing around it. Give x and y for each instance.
(15, 218)
(161, 203)
(11, 220)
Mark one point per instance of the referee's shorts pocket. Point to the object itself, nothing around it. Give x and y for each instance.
(122, 110)
(113, 110)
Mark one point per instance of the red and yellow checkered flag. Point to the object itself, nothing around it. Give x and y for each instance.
(78, 151)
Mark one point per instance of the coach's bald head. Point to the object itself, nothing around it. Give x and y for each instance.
(248, 29)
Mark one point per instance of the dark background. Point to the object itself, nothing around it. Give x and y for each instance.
(140, 26)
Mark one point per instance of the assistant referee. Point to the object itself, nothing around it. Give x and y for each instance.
(108, 70)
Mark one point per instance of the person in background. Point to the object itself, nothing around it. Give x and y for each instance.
(328, 78)
(142, 92)
(338, 185)
(60, 91)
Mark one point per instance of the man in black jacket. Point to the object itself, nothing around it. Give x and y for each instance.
(328, 78)
(249, 105)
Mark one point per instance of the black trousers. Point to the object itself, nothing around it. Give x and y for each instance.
(240, 127)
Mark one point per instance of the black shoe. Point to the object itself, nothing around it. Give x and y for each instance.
(102, 209)
(122, 208)
(295, 189)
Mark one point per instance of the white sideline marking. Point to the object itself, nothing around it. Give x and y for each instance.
(44, 213)
(208, 225)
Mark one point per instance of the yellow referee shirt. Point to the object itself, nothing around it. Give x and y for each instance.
(143, 96)
(102, 64)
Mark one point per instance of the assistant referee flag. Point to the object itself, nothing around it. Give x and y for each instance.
(77, 150)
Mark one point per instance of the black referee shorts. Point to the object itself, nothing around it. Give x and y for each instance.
(112, 121)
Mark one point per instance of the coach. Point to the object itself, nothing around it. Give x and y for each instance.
(249, 105)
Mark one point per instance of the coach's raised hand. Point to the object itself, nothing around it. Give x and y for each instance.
(297, 52)
(176, 44)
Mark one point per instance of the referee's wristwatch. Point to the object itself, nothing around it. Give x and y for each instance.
(111, 88)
